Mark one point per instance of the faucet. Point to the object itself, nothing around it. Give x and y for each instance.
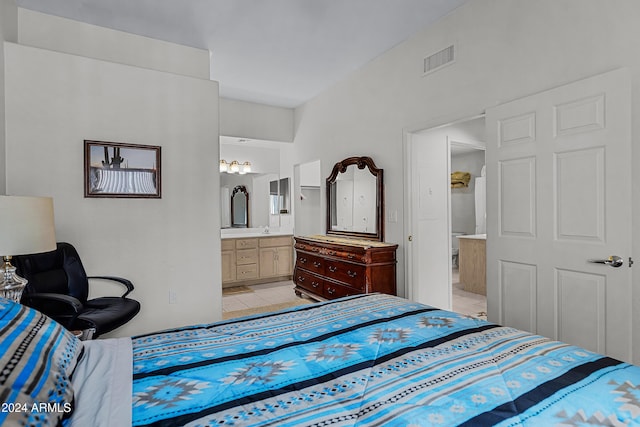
(266, 229)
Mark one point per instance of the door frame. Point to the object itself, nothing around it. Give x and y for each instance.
(407, 136)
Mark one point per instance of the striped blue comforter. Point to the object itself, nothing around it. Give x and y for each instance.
(374, 360)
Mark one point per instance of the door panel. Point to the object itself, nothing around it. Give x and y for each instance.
(518, 297)
(560, 161)
(431, 254)
(518, 197)
(517, 130)
(580, 203)
(581, 301)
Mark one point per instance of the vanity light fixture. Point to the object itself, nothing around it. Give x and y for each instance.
(235, 167)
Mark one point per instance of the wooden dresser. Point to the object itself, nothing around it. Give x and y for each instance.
(333, 267)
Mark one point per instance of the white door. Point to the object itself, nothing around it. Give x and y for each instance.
(559, 194)
(429, 200)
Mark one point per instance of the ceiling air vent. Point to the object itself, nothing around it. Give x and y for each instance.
(439, 59)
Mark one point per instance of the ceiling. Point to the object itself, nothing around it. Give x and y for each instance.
(276, 52)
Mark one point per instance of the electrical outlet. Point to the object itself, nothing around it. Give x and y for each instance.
(173, 296)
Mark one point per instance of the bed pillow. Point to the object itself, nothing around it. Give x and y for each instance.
(38, 358)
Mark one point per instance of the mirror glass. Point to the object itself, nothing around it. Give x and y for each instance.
(240, 207)
(279, 200)
(354, 199)
(264, 157)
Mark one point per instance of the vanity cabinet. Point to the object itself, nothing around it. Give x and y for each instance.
(332, 267)
(472, 262)
(276, 257)
(253, 260)
(228, 261)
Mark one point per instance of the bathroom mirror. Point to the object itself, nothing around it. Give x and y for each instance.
(355, 204)
(240, 207)
(279, 200)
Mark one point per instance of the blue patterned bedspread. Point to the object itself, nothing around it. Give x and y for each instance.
(374, 360)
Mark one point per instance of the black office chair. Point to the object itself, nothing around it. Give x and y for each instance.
(59, 287)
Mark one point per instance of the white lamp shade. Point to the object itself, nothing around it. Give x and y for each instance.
(26, 225)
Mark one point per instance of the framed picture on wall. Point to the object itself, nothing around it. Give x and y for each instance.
(113, 169)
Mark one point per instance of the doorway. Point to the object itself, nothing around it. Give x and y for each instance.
(436, 211)
(307, 199)
(468, 227)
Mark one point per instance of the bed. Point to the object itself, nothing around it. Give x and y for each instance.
(357, 361)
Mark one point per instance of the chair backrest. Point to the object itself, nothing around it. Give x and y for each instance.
(58, 271)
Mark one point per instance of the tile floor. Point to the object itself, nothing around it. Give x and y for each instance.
(467, 302)
(264, 294)
(280, 292)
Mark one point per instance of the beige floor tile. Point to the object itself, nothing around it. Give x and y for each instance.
(231, 303)
(279, 292)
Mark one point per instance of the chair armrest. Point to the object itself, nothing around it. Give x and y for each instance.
(121, 280)
(74, 303)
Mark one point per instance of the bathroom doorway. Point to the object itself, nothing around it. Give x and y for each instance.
(434, 214)
(468, 227)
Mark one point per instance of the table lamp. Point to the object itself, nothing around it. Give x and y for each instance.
(26, 227)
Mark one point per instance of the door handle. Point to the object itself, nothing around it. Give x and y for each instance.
(613, 261)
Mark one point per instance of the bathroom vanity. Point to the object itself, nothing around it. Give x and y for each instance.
(472, 261)
(249, 259)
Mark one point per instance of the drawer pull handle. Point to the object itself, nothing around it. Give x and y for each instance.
(333, 268)
(316, 264)
(300, 279)
(331, 252)
(331, 291)
(351, 256)
(302, 260)
(315, 284)
(352, 274)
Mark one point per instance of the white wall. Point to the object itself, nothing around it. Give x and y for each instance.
(255, 121)
(53, 102)
(506, 49)
(69, 36)
(8, 32)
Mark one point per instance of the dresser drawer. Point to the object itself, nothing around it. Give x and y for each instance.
(246, 256)
(350, 255)
(351, 274)
(308, 281)
(335, 290)
(246, 243)
(311, 263)
(248, 271)
(336, 252)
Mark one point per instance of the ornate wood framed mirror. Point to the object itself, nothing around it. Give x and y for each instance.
(355, 199)
(240, 207)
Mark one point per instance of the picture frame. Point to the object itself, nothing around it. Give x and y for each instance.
(121, 170)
